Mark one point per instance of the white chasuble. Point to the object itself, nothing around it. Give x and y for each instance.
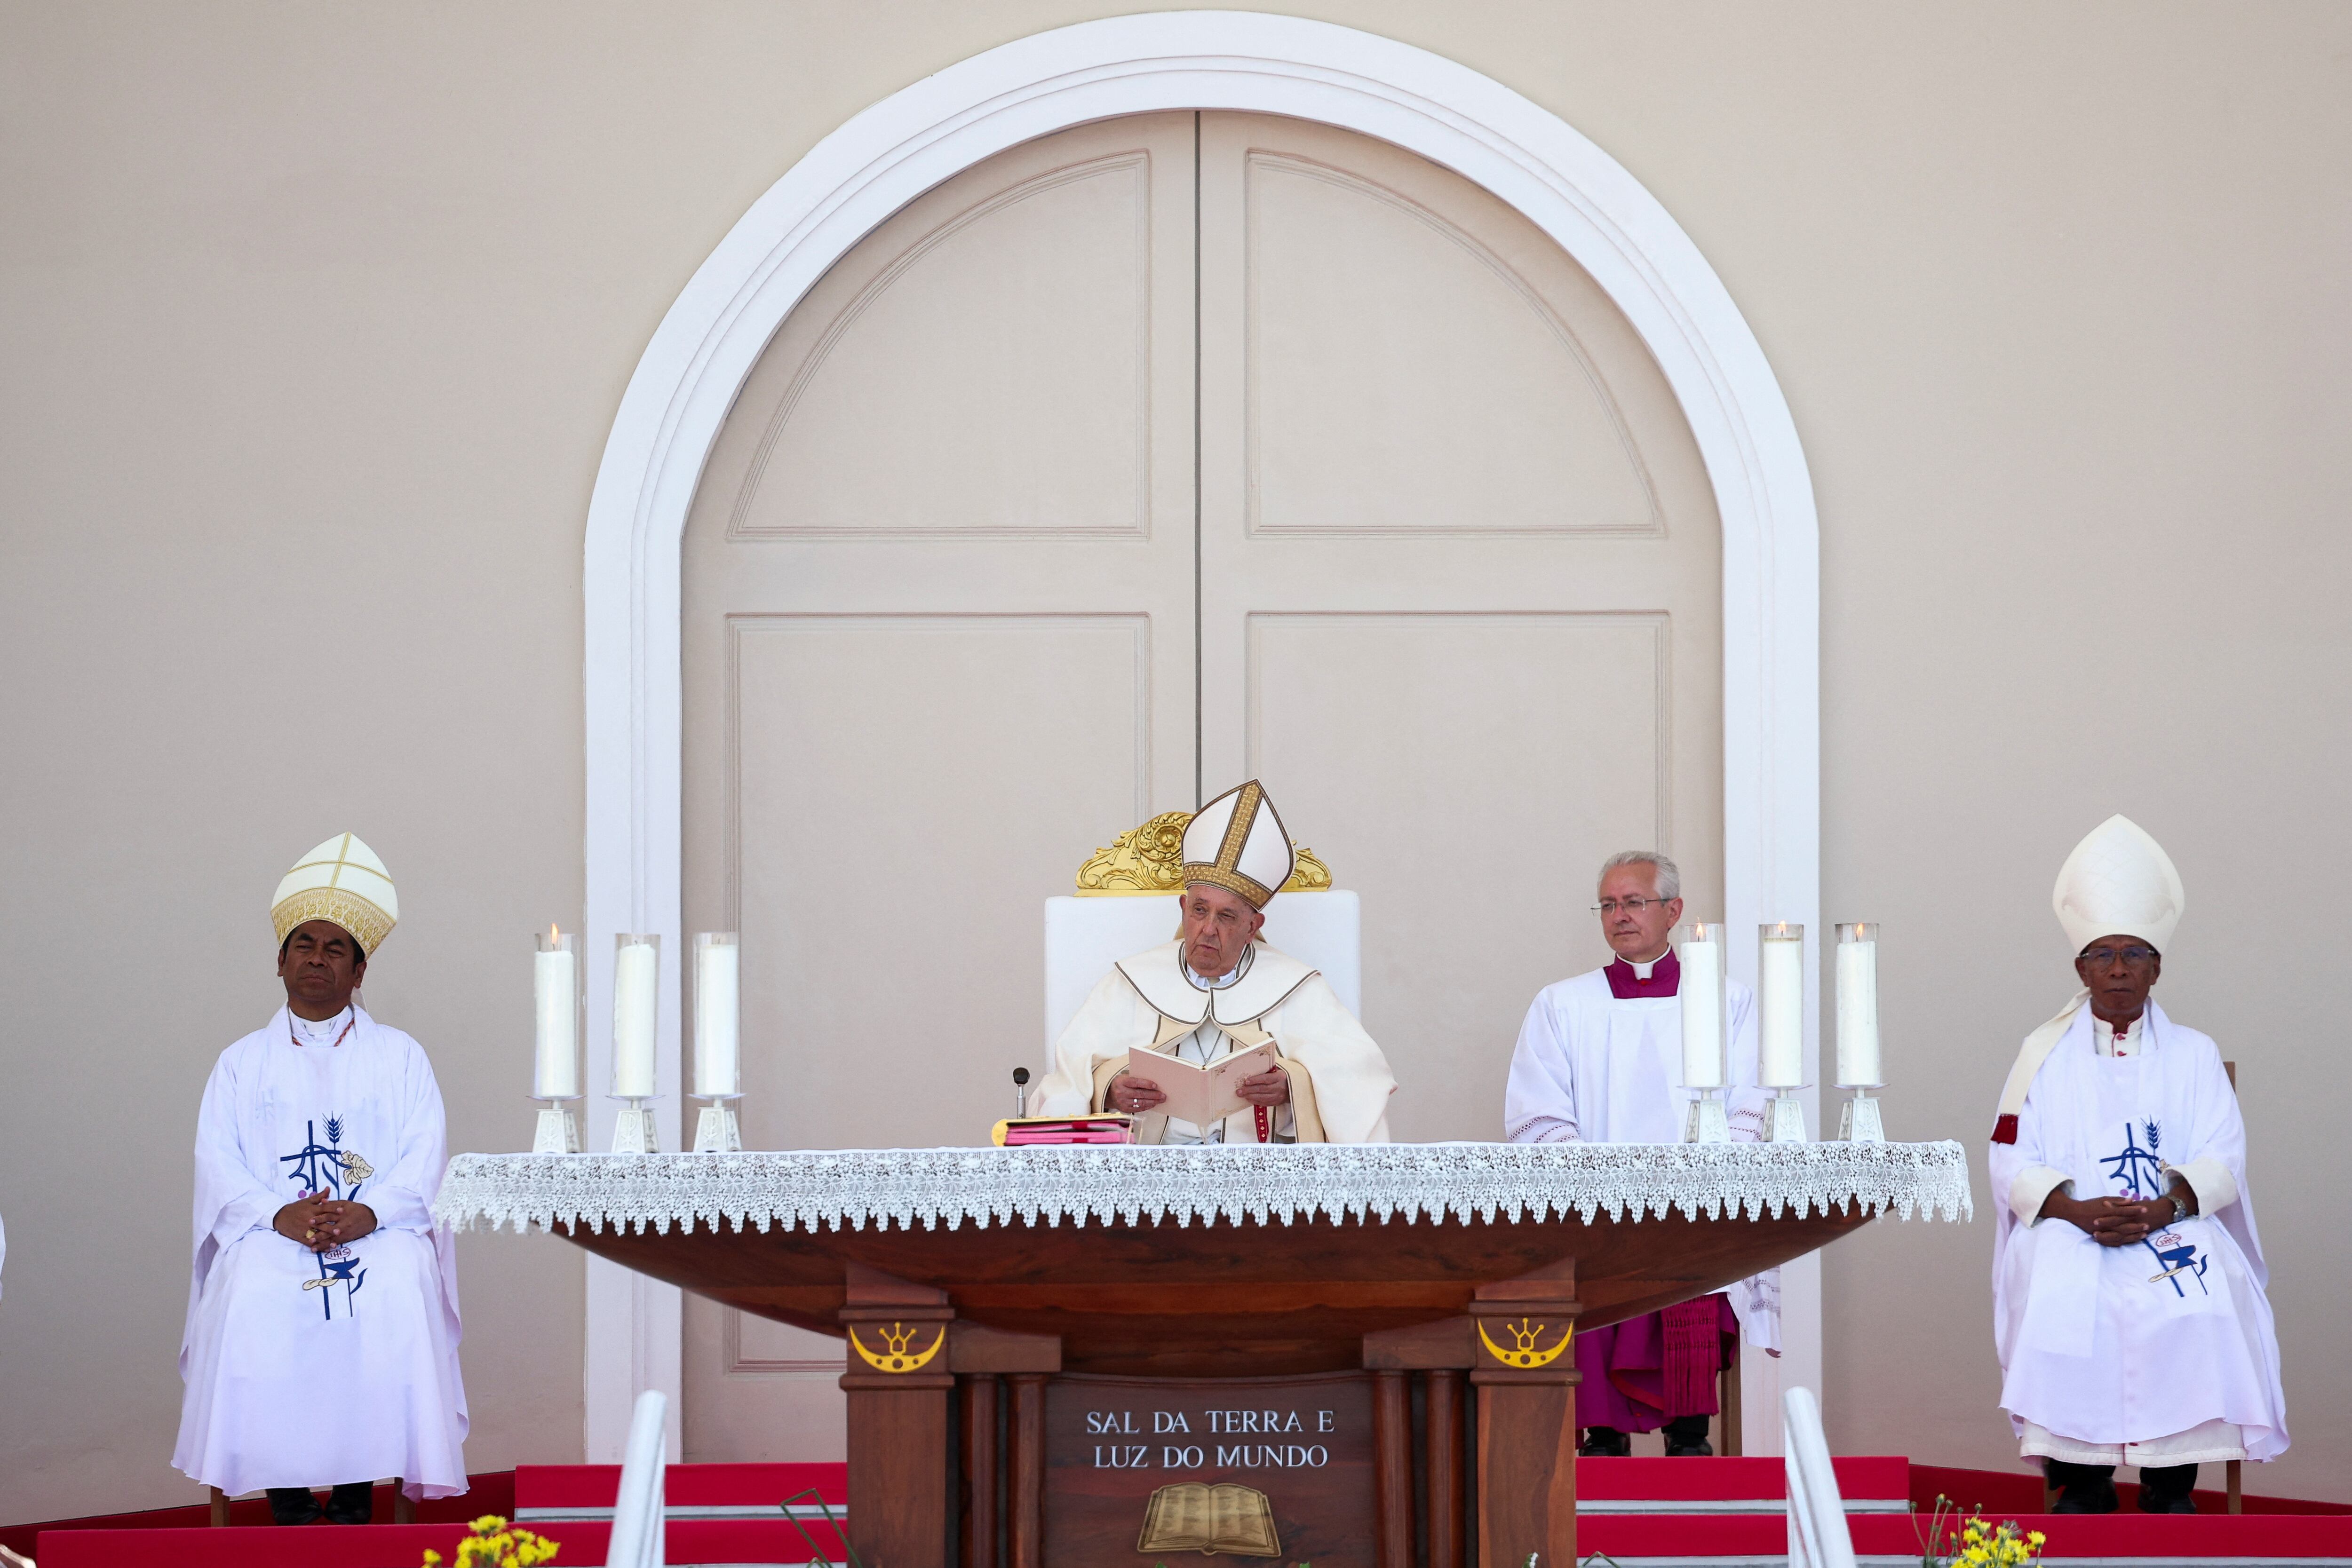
(2113, 1346)
(1340, 1081)
(303, 1368)
(1594, 1067)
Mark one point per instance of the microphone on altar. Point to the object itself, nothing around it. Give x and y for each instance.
(1020, 1093)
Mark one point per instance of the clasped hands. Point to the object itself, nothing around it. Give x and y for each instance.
(2117, 1221)
(323, 1223)
(1137, 1095)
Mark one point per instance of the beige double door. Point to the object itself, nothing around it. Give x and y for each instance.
(1137, 461)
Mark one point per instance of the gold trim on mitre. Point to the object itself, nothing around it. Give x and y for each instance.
(1252, 826)
(342, 881)
(1149, 862)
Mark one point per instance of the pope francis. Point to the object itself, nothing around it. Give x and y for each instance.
(1216, 990)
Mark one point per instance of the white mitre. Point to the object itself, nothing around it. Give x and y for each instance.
(1236, 842)
(2118, 883)
(342, 881)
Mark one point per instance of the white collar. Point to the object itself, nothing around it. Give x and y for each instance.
(1159, 978)
(1193, 977)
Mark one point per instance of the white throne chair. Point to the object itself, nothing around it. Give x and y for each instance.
(1125, 902)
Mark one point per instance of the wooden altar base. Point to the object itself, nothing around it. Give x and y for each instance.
(968, 1343)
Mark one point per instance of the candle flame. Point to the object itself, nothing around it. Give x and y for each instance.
(553, 936)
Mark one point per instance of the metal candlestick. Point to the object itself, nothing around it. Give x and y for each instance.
(1859, 1122)
(1707, 1121)
(1787, 1119)
(559, 1129)
(633, 1130)
(716, 1131)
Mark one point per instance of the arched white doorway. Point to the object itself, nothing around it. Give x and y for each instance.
(715, 332)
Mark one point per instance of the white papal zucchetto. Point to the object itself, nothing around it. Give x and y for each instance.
(342, 881)
(2118, 883)
(1236, 842)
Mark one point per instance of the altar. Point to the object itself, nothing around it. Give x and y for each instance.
(1350, 1348)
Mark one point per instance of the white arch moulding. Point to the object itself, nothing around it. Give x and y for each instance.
(906, 143)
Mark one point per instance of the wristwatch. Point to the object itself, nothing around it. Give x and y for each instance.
(2179, 1210)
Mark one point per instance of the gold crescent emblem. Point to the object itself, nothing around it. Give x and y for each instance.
(894, 1357)
(1525, 1354)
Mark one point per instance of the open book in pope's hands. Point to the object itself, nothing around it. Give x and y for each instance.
(1201, 1094)
(1228, 1516)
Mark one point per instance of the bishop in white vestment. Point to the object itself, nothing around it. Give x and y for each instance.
(1600, 1059)
(2129, 1304)
(322, 1341)
(1217, 989)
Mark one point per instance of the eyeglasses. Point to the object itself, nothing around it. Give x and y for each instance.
(2104, 958)
(1632, 906)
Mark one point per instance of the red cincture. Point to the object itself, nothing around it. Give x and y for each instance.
(2004, 1130)
(1265, 1127)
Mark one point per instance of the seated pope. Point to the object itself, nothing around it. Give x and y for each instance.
(1216, 990)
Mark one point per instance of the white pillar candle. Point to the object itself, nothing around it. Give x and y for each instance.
(636, 988)
(1780, 1007)
(555, 988)
(1700, 953)
(1857, 1006)
(718, 1014)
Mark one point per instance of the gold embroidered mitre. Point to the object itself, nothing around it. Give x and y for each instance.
(342, 881)
(1237, 843)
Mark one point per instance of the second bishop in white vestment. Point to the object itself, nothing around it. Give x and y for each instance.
(2161, 1353)
(321, 1368)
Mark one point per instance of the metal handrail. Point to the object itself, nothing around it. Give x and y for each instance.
(637, 1512)
(1818, 1537)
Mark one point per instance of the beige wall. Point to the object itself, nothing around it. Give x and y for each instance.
(312, 322)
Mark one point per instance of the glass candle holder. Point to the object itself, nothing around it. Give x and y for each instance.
(717, 1015)
(559, 997)
(637, 1012)
(1858, 1065)
(1780, 1005)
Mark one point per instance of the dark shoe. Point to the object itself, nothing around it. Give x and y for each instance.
(2082, 1489)
(2168, 1489)
(1686, 1438)
(293, 1505)
(354, 1502)
(1605, 1443)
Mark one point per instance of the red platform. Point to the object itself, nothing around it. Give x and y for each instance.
(1645, 1513)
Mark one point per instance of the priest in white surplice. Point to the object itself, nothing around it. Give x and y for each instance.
(1600, 1061)
(2128, 1305)
(321, 1343)
(1216, 990)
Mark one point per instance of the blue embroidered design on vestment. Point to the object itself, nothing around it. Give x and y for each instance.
(2177, 1258)
(2128, 1166)
(328, 1170)
(2143, 1176)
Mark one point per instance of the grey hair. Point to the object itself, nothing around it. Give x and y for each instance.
(1670, 876)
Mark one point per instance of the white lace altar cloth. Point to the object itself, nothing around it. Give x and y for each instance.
(1131, 1183)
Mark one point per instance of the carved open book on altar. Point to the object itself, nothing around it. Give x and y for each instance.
(1201, 1094)
(1228, 1518)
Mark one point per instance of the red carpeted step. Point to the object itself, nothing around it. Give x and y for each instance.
(1870, 1484)
(582, 1544)
(548, 1492)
